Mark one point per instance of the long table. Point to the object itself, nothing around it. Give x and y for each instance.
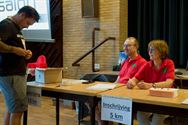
(142, 101)
(76, 92)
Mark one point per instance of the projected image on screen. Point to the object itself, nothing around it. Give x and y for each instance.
(40, 31)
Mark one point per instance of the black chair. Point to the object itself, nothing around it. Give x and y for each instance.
(100, 77)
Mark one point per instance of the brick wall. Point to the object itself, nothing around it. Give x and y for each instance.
(77, 35)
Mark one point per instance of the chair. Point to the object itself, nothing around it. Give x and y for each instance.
(100, 77)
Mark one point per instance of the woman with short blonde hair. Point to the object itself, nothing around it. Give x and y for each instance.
(161, 46)
(159, 72)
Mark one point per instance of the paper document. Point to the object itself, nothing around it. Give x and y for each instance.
(185, 101)
(102, 86)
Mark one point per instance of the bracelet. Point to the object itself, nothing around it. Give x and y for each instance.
(153, 85)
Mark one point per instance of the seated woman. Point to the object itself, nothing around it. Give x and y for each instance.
(159, 72)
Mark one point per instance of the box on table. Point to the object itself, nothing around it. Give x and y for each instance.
(163, 92)
(48, 75)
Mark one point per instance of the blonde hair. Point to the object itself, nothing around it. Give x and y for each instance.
(161, 46)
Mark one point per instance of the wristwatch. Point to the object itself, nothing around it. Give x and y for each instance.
(153, 85)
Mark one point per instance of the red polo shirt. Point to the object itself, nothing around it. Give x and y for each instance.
(129, 68)
(149, 74)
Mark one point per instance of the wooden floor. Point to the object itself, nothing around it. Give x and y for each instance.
(45, 115)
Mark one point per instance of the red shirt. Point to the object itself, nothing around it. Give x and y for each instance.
(129, 68)
(149, 74)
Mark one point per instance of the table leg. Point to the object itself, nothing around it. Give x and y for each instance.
(57, 111)
(132, 119)
(92, 115)
(25, 118)
(93, 103)
(80, 112)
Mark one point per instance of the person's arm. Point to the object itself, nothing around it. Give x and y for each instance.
(169, 76)
(12, 49)
(164, 84)
(138, 77)
(5, 48)
(132, 83)
(167, 83)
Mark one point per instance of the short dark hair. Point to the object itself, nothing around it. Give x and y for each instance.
(29, 12)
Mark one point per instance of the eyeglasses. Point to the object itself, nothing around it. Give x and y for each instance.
(128, 45)
(151, 50)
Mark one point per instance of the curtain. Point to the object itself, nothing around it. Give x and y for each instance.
(160, 19)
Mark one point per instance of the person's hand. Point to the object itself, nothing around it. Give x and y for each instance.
(131, 83)
(144, 85)
(28, 55)
(19, 51)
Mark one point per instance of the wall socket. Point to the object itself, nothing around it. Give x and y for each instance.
(97, 67)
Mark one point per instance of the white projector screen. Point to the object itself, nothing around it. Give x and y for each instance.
(39, 32)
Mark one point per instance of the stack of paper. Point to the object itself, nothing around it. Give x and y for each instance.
(101, 86)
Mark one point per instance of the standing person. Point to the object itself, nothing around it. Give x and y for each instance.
(128, 69)
(134, 62)
(159, 72)
(12, 63)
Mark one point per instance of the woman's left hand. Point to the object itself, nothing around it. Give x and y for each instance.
(144, 85)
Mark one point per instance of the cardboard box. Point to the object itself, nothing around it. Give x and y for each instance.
(48, 75)
(163, 92)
